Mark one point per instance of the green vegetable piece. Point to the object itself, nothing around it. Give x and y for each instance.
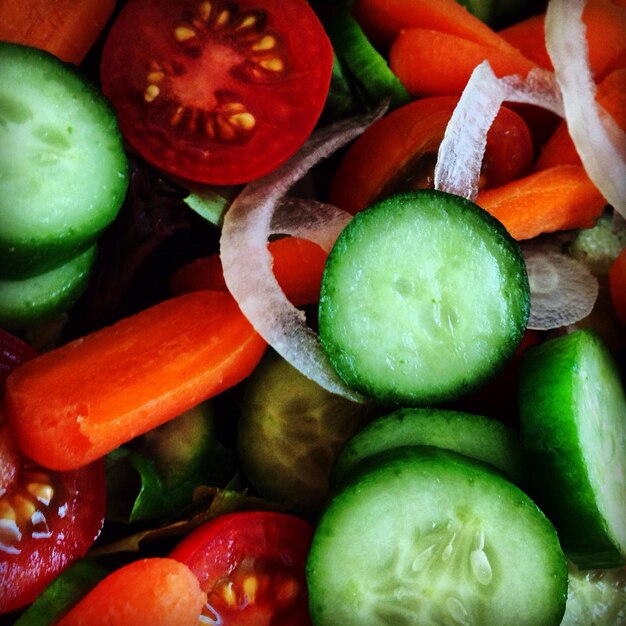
(62, 593)
(210, 202)
(167, 465)
(424, 297)
(595, 597)
(63, 169)
(475, 436)
(364, 61)
(290, 433)
(426, 536)
(340, 98)
(27, 302)
(573, 422)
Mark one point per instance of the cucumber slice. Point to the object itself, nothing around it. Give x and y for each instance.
(424, 297)
(475, 436)
(364, 61)
(426, 536)
(595, 597)
(291, 431)
(63, 170)
(26, 302)
(573, 422)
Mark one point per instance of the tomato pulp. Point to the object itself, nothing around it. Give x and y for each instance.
(251, 565)
(218, 92)
(47, 519)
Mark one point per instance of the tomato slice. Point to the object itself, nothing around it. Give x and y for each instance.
(251, 565)
(218, 91)
(47, 519)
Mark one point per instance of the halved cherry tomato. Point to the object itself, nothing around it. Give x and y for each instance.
(399, 152)
(251, 565)
(47, 519)
(218, 92)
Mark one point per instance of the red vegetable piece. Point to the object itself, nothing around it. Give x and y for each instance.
(252, 566)
(13, 351)
(218, 92)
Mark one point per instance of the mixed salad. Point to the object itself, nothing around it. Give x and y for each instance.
(313, 312)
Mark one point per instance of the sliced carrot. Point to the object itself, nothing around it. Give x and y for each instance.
(611, 94)
(560, 198)
(66, 28)
(74, 404)
(382, 20)
(149, 592)
(298, 267)
(617, 285)
(606, 37)
(399, 152)
(432, 63)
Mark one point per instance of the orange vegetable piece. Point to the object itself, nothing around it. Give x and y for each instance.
(150, 592)
(298, 267)
(65, 28)
(617, 285)
(399, 151)
(382, 20)
(611, 95)
(74, 404)
(432, 63)
(606, 37)
(559, 198)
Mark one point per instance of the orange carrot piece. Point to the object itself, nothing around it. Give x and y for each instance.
(560, 198)
(432, 63)
(382, 20)
(74, 404)
(617, 285)
(606, 37)
(298, 267)
(150, 592)
(611, 94)
(399, 151)
(65, 28)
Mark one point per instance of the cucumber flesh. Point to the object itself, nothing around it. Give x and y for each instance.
(475, 436)
(27, 302)
(426, 536)
(64, 172)
(424, 297)
(573, 422)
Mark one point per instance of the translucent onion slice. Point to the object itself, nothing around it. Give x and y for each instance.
(562, 290)
(461, 152)
(599, 141)
(247, 263)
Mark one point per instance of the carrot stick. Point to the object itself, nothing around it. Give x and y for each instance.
(150, 592)
(298, 267)
(611, 94)
(74, 404)
(606, 28)
(617, 285)
(65, 28)
(431, 63)
(382, 21)
(560, 198)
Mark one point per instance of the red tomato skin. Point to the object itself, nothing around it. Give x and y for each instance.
(280, 542)
(285, 105)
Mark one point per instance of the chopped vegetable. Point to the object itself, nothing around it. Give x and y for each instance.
(617, 283)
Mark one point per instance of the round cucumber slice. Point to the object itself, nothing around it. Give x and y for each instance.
(291, 431)
(26, 302)
(63, 170)
(573, 422)
(424, 297)
(475, 436)
(426, 536)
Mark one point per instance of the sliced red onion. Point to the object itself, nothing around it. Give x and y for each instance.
(601, 148)
(247, 263)
(462, 150)
(316, 221)
(562, 290)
